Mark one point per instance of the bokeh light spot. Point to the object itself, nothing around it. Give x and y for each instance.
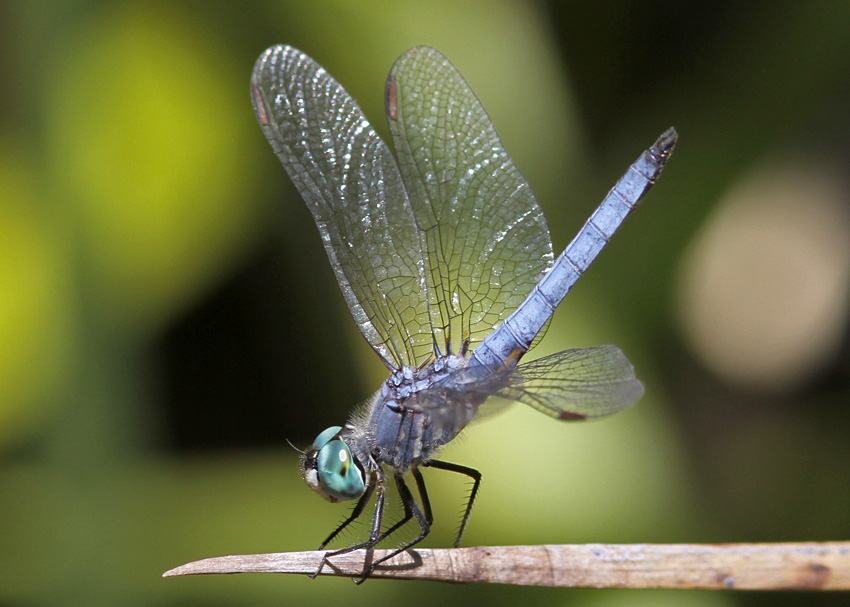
(763, 291)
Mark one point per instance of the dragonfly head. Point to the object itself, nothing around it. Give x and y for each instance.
(330, 470)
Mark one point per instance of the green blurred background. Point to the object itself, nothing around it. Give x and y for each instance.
(168, 317)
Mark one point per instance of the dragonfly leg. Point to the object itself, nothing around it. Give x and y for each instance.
(355, 514)
(408, 511)
(411, 508)
(408, 514)
(423, 495)
(374, 536)
(472, 473)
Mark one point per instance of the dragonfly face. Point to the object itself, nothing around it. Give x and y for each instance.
(330, 470)
(444, 259)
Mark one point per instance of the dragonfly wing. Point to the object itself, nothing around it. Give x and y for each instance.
(353, 187)
(575, 384)
(485, 238)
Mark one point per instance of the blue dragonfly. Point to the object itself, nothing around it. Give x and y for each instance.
(445, 261)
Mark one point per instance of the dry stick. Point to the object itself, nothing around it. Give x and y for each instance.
(781, 566)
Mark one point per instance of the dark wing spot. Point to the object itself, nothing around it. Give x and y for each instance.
(391, 99)
(568, 416)
(259, 106)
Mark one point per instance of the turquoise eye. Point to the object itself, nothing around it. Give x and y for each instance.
(325, 436)
(339, 477)
(330, 469)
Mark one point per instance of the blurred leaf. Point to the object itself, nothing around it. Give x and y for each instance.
(148, 127)
(35, 302)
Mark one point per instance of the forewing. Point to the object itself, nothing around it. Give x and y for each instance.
(486, 240)
(353, 188)
(575, 384)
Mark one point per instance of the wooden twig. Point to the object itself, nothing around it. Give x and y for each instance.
(781, 566)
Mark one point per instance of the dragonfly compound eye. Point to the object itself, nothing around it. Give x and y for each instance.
(326, 435)
(336, 476)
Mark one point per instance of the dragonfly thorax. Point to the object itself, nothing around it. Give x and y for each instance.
(403, 426)
(406, 382)
(416, 411)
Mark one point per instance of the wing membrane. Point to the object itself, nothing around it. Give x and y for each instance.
(575, 384)
(572, 385)
(352, 185)
(485, 239)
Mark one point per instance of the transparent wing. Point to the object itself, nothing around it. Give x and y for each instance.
(353, 187)
(486, 241)
(572, 385)
(575, 384)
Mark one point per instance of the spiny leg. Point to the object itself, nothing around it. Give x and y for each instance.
(423, 495)
(374, 535)
(408, 512)
(472, 473)
(411, 506)
(355, 514)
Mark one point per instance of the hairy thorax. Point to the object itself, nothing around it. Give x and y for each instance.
(418, 410)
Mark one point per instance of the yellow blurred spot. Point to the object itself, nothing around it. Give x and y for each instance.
(148, 127)
(35, 303)
(764, 290)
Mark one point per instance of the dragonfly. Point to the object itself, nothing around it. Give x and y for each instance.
(444, 258)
